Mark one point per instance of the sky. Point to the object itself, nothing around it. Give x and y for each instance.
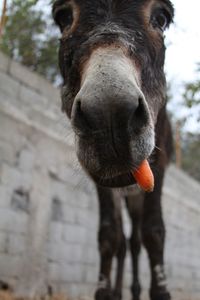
(183, 54)
(183, 40)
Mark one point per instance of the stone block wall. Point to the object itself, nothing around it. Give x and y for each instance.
(49, 209)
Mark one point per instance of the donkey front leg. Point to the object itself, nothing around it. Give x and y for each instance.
(111, 243)
(117, 292)
(153, 231)
(134, 201)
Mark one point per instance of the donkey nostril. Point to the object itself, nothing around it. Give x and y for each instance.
(80, 118)
(141, 111)
(140, 117)
(78, 107)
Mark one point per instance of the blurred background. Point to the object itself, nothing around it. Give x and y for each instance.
(51, 245)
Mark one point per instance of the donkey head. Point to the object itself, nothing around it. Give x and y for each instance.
(111, 58)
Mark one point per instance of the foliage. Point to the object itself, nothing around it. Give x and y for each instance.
(187, 139)
(191, 95)
(191, 141)
(31, 38)
(191, 154)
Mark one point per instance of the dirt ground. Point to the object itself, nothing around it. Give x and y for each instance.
(10, 296)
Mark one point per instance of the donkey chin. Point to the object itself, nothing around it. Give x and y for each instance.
(111, 119)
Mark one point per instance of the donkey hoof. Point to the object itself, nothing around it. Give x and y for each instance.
(117, 295)
(104, 294)
(136, 291)
(161, 296)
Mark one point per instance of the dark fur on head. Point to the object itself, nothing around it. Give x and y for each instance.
(106, 22)
(135, 26)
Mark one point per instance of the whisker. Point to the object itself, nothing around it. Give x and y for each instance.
(156, 147)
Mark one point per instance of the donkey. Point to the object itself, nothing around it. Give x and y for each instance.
(111, 59)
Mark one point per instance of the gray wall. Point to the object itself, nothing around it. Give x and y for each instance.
(48, 207)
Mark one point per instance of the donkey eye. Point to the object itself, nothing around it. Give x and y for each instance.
(160, 20)
(64, 17)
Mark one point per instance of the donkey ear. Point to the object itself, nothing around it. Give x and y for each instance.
(63, 15)
(55, 8)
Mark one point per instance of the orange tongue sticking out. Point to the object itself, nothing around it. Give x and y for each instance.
(144, 177)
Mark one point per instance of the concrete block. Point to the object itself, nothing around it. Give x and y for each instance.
(61, 252)
(9, 87)
(5, 196)
(42, 120)
(49, 91)
(17, 244)
(69, 213)
(55, 232)
(20, 200)
(75, 176)
(69, 175)
(26, 159)
(80, 291)
(91, 275)
(10, 266)
(13, 132)
(60, 190)
(56, 252)
(93, 219)
(91, 256)
(34, 81)
(13, 222)
(73, 273)
(4, 62)
(71, 197)
(86, 218)
(4, 219)
(80, 199)
(74, 253)
(3, 242)
(32, 99)
(82, 216)
(24, 75)
(74, 234)
(57, 210)
(7, 153)
(54, 271)
(14, 179)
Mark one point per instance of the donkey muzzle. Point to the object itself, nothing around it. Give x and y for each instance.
(110, 117)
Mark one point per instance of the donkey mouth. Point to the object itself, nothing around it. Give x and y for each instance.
(105, 166)
(112, 164)
(119, 181)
